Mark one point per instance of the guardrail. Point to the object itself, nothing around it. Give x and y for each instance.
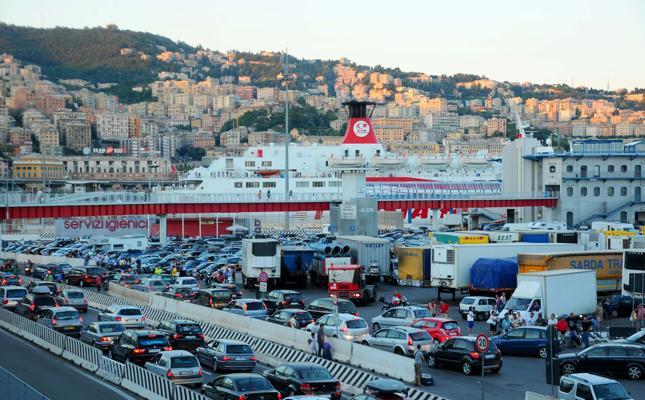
(11, 387)
(42, 260)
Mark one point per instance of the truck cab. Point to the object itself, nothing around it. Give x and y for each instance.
(348, 282)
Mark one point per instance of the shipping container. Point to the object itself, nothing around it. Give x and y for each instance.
(460, 238)
(371, 252)
(566, 237)
(414, 263)
(607, 264)
(294, 265)
(503, 237)
(530, 237)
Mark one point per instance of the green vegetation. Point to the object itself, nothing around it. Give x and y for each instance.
(128, 96)
(303, 117)
(193, 153)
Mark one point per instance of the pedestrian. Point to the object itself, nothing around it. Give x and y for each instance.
(418, 364)
(320, 338)
(640, 316)
(326, 351)
(268, 194)
(293, 322)
(260, 195)
(432, 307)
(498, 303)
(515, 321)
(540, 321)
(313, 344)
(506, 324)
(572, 325)
(529, 320)
(598, 313)
(586, 328)
(492, 322)
(290, 194)
(503, 298)
(552, 320)
(561, 327)
(470, 318)
(99, 283)
(607, 308)
(443, 309)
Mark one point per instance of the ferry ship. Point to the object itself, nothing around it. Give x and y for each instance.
(316, 168)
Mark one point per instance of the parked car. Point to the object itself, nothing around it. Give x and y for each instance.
(241, 386)
(483, 306)
(295, 379)
(592, 387)
(101, 334)
(183, 334)
(178, 366)
(525, 341)
(10, 296)
(399, 316)
(347, 326)
(460, 353)
(150, 285)
(185, 281)
(184, 294)
(42, 271)
(129, 316)
(51, 287)
(248, 307)
(636, 338)
(236, 291)
(611, 359)
(402, 340)
(213, 298)
(323, 306)
(73, 298)
(279, 299)
(86, 276)
(383, 389)
(138, 346)
(282, 317)
(224, 354)
(441, 329)
(65, 320)
(9, 279)
(33, 305)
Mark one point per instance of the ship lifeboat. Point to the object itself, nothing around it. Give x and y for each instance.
(433, 161)
(388, 162)
(267, 172)
(346, 162)
(475, 161)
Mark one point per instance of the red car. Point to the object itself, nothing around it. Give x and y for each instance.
(441, 329)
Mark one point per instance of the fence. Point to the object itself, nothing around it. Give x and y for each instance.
(12, 388)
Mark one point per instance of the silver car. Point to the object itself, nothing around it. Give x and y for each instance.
(399, 316)
(129, 316)
(150, 285)
(10, 296)
(179, 366)
(347, 326)
(73, 298)
(248, 307)
(65, 320)
(101, 334)
(402, 340)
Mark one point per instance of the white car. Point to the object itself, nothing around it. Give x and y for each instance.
(185, 282)
(128, 316)
(348, 326)
(179, 366)
(483, 306)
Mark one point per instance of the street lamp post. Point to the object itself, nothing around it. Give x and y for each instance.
(285, 78)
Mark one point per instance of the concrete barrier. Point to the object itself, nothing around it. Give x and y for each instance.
(79, 353)
(38, 259)
(111, 370)
(182, 393)
(383, 362)
(146, 384)
(536, 396)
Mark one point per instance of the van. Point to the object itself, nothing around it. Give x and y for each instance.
(590, 387)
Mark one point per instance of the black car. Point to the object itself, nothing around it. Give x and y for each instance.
(241, 386)
(51, 286)
(619, 306)
(304, 379)
(213, 298)
(282, 317)
(279, 299)
(138, 346)
(8, 279)
(324, 306)
(42, 271)
(383, 389)
(183, 334)
(608, 359)
(236, 291)
(32, 306)
(460, 353)
(225, 354)
(636, 338)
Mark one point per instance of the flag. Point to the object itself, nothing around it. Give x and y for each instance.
(173, 169)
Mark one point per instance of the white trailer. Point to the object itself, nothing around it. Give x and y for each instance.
(126, 242)
(260, 255)
(450, 269)
(558, 292)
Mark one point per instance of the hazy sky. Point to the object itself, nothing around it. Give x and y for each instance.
(544, 41)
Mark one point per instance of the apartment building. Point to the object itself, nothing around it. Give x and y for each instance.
(77, 135)
(112, 126)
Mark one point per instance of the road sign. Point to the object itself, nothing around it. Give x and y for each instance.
(263, 277)
(263, 286)
(482, 342)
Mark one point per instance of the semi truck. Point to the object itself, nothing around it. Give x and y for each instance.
(295, 262)
(348, 282)
(260, 255)
(450, 269)
(558, 292)
(608, 265)
(326, 255)
(371, 253)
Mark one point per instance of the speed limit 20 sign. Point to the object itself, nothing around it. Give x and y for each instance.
(482, 342)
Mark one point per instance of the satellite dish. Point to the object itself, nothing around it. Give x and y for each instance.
(86, 151)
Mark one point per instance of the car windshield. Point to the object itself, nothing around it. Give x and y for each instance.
(314, 374)
(55, 269)
(450, 325)
(610, 391)
(346, 307)
(468, 300)
(238, 349)
(222, 294)
(95, 271)
(16, 293)
(303, 315)
(189, 328)
(112, 328)
(147, 341)
(356, 324)
(254, 306)
(251, 384)
(67, 315)
(130, 311)
(292, 297)
(184, 291)
(422, 335)
(44, 301)
(184, 362)
(637, 337)
(518, 303)
(75, 295)
(421, 313)
(190, 281)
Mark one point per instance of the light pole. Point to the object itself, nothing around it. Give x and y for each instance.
(286, 77)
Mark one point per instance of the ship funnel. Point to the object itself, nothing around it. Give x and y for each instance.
(359, 127)
(336, 251)
(327, 250)
(345, 251)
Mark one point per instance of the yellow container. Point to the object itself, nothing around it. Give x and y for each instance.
(410, 262)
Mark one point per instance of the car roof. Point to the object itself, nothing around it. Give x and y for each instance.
(301, 366)
(411, 308)
(285, 291)
(344, 316)
(229, 341)
(590, 378)
(248, 301)
(14, 287)
(62, 309)
(243, 375)
(182, 321)
(407, 329)
(293, 310)
(478, 297)
(145, 332)
(330, 299)
(124, 307)
(435, 319)
(73, 291)
(177, 353)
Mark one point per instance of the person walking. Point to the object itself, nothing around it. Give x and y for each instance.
(320, 339)
(313, 344)
(506, 324)
(586, 328)
(99, 283)
(268, 194)
(443, 309)
(572, 325)
(470, 319)
(561, 327)
(499, 306)
(552, 321)
(492, 322)
(418, 365)
(432, 307)
(293, 322)
(260, 195)
(640, 316)
(540, 321)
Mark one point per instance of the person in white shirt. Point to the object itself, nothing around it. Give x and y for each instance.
(552, 321)
(470, 318)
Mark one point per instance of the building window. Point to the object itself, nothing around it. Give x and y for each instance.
(237, 185)
(610, 168)
(335, 184)
(623, 216)
(302, 184)
(317, 184)
(249, 164)
(569, 168)
(252, 184)
(552, 169)
(623, 168)
(266, 163)
(268, 184)
(610, 191)
(583, 192)
(596, 191)
(623, 191)
(596, 170)
(569, 191)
